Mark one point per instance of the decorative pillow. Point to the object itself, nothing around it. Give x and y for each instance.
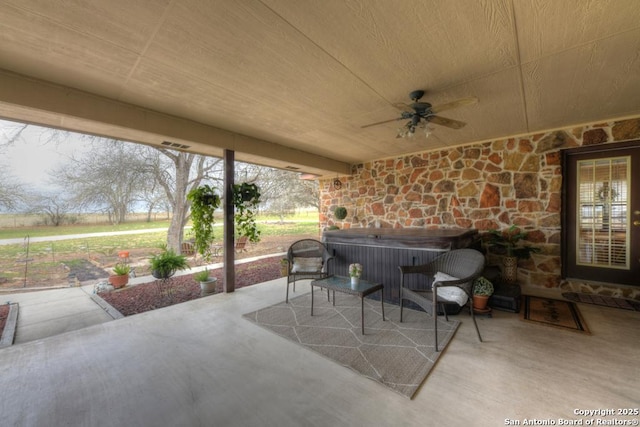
(306, 265)
(450, 293)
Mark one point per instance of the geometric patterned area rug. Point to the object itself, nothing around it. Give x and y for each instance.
(397, 355)
(603, 300)
(553, 312)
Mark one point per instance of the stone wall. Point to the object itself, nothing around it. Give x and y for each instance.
(485, 186)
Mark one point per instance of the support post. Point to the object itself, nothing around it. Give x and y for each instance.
(229, 258)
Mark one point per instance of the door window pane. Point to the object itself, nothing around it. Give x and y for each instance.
(603, 214)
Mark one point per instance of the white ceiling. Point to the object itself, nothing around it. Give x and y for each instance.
(308, 74)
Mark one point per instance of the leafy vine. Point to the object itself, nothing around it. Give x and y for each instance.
(204, 202)
(246, 198)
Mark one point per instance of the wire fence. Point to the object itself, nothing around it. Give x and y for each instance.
(36, 220)
(69, 263)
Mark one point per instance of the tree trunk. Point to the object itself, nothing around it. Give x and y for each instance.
(183, 163)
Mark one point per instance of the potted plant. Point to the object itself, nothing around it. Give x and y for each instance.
(204, 202)
(507, 242)
(246, 198)
(120, 276)
(166, 263)
(482, 290)
(340, 213)
(355, 271)
(207, 283)
(284, 267)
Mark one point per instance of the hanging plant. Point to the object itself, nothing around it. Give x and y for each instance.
(204, 202)
(340, 212)
(246, 198)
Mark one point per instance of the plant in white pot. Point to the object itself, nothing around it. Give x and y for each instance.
(355, 272)
(207, 282)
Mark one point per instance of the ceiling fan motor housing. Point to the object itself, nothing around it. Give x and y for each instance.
(416, 95)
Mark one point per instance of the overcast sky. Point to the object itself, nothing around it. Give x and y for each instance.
(30, 158)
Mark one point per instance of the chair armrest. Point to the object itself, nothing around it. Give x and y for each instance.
(413, 269)
(416, 269)
(453, 282)
(326, 257)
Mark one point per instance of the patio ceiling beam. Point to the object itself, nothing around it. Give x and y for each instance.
(39, 102)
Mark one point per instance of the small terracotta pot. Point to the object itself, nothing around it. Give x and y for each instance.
(119, 281)
(480, 302)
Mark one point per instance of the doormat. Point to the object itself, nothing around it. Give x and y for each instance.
(603, 300)
(397, 355)
(553, 312)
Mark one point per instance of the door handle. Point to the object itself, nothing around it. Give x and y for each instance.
(636, 222)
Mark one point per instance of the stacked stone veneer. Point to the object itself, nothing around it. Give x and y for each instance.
(489, 185)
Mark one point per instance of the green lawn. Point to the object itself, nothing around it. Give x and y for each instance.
(111, 244)
(15, 233)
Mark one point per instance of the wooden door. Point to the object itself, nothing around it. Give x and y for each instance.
(601, 214)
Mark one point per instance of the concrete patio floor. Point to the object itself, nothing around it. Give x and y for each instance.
(52, 312)
(201, 364)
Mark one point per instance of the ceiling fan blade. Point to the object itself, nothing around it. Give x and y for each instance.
(443, 121)
(454, 104)
(404, 107)
(380, 123)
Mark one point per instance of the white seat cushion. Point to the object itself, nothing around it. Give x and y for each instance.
(450, 293)
(306, 265)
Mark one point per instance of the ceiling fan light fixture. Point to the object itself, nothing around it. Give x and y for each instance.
(420, 114)
(424, 125)
(404, 131)
(409, 130)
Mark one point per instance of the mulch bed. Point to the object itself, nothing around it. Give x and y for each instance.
(84, 270)
(149, 296)
(4, 313)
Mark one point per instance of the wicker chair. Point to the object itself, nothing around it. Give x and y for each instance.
(307, 259)
(465, 264)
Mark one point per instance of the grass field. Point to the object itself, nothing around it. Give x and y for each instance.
(43, 258)
(134, 241)
(8, 231)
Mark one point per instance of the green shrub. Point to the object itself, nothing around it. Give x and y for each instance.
(121, 269)
(483, 287)
(340, 212)
(202, 276)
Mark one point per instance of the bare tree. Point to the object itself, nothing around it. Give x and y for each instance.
(11, 190)
(11, 132)
(177, 173)
(55, 207)
(110, 178)
(283, 191)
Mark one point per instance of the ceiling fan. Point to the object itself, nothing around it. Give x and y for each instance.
(420, 114)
